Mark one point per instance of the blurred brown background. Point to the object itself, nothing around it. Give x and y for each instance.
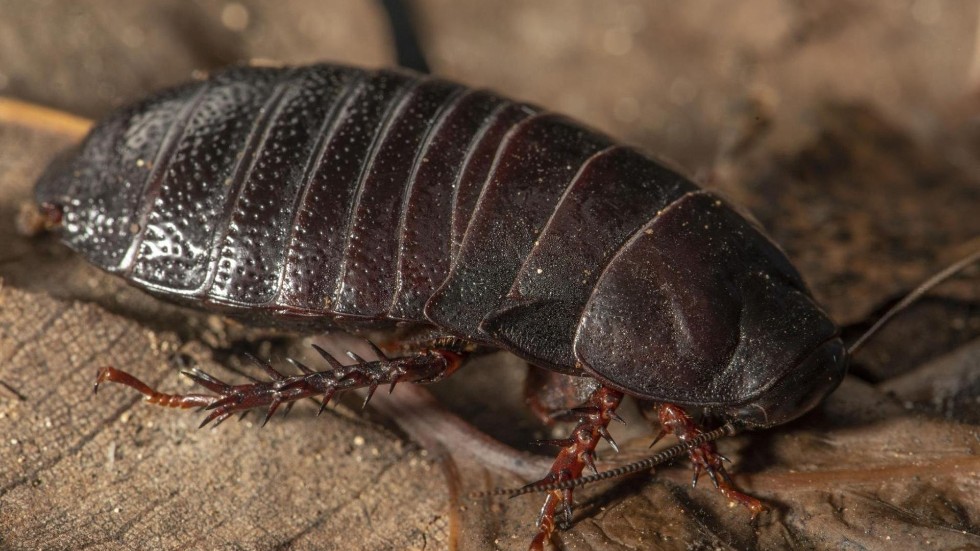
(848, 128)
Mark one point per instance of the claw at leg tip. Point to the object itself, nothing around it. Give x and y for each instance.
(100, 377)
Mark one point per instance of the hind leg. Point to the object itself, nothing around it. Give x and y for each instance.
(427, 364)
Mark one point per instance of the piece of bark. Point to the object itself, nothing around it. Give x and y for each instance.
(106, 471)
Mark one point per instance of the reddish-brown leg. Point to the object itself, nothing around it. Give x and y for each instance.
(578, 451)
(705, 458)
(425, 366)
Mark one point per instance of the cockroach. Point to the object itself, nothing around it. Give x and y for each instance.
(329, 196)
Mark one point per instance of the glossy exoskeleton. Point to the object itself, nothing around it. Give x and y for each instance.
(326, 195)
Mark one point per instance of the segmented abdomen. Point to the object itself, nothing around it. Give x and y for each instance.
(325, 192)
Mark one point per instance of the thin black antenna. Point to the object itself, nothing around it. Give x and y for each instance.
(913, 296)
(642, 465)
(407, 50)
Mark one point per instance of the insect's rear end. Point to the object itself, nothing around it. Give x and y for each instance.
(258, 190)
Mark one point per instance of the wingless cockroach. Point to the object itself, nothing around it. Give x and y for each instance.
(326, 196)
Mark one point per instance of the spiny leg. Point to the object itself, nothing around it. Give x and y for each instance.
(424, 366)
(578, 451)
(705, 458)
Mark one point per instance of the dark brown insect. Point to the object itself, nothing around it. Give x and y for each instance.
(325, 195)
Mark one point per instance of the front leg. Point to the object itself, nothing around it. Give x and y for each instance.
(423, 366)
(704, 458)
(578, 451)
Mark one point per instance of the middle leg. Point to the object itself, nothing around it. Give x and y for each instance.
(577, 453)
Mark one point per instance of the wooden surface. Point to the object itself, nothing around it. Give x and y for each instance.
(848, 128)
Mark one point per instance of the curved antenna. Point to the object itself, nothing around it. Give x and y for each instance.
(913, 296)
(642, 465)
